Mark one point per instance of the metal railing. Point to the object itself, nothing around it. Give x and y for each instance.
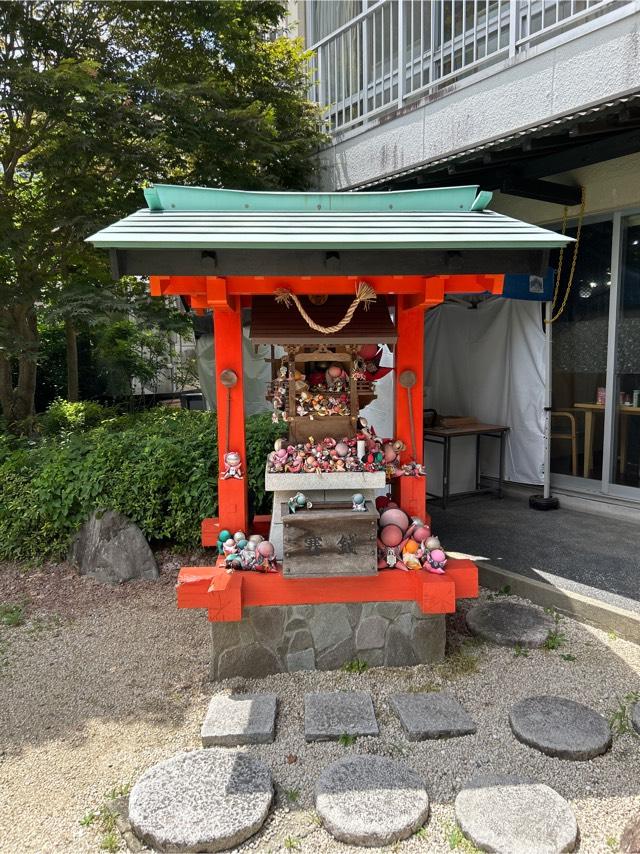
(397, 50)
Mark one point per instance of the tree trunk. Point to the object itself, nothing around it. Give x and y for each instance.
(18, 401)
(73, 387)
(6, 386)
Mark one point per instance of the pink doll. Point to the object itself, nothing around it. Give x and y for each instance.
(391, 542)
(266, 557)
(435, 561)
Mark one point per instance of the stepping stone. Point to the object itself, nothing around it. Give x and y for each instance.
(635, 717)
(371, 800)
(560, 727)
(327, 716)
(510, 623)
(206, 800)
(239, 719)
(512, 816)
(432, 715)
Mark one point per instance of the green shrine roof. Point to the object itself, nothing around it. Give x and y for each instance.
(437, 218)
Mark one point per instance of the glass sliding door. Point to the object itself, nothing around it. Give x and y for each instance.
(625, 459)
(579, 356)
(595, 421)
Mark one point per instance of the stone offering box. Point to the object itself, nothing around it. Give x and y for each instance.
(329, 539)
(320, 274)
(319, 489)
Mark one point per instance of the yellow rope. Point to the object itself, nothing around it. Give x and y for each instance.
(364, 294)
(573, 261)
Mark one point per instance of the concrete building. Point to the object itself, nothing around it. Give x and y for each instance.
(537, 101)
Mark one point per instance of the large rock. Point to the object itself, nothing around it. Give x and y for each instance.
(371, 800)
(510, 624)
(110, 548)
(206, 800)
(510, 815)
(560, 727)
(635, 717)
(630, 839)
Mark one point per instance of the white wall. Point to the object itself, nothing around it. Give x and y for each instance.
(537, 85)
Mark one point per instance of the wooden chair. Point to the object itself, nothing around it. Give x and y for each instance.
(571, 436)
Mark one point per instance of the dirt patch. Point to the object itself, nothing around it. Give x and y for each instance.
(57, 588)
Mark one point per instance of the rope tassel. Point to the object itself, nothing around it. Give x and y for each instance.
(556, 291)
(365, 294)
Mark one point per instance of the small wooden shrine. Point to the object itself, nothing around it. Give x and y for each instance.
(328, 278)
(312, 402)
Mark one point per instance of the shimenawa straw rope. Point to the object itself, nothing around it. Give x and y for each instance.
(364, 294)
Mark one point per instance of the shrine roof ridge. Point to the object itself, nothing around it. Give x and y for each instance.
(293, 226)
(171, 197)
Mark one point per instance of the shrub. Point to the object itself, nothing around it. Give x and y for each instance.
(64, 416)
(158, 467)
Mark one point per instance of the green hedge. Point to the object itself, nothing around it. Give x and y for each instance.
(159, 468)
(63, 416)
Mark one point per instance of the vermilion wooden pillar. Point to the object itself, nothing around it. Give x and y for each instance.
(233, 508)
(410, 492)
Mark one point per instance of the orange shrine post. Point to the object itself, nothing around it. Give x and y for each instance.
(222, 250)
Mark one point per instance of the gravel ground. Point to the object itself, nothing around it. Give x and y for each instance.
(100, 683)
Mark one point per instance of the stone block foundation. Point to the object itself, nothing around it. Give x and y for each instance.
(286, 638)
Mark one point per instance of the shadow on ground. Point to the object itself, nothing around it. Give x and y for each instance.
(89, 652)
(596, 551)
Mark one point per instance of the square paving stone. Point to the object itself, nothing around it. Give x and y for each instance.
(432, 715)
(239, 719)
(327, 716)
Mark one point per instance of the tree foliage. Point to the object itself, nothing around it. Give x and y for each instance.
(98, 97)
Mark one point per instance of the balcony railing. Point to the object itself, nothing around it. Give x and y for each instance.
(398, 50)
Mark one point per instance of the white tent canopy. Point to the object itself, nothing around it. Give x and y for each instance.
(488, 362)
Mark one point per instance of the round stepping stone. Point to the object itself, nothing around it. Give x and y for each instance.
(630, 839)
(635, 717)
(560, 727)
(510, 623)
(512, 815)
(371, 800)
(206, 800)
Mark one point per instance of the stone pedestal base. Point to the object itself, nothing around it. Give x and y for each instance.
(286, 638)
